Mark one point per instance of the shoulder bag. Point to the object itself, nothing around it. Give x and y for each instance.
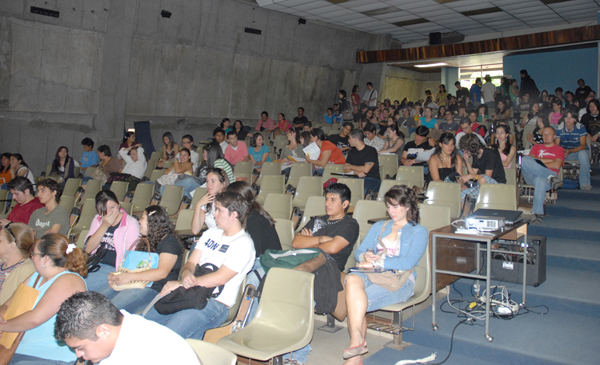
(23, 300)
(94, 259)
(192, 298)
(134, 262)
(391, 280)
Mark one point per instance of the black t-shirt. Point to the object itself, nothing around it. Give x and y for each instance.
(109, 247)
(339, 141)
(241, 135)
(412, 144)
(357, 116)
(262, 233)
(360, 158)
(490, 160)
(300, 120)
(347, 228)
(169, 245)
(582, 92)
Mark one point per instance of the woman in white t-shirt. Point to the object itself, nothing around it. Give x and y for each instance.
(216, 182)
(134, 165)
(18, 167)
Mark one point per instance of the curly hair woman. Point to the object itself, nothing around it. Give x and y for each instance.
(399, 244)
(159, 230)
(59, 267)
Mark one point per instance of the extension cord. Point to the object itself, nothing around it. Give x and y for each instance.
(501, 308)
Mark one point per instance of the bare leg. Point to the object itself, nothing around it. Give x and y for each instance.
(357, 302)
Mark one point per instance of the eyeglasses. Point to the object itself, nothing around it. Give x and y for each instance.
(32, 254)
(10, 231)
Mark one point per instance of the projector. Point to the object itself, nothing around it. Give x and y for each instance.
(482, 223)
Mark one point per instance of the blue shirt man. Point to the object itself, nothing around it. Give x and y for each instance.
(571, 136)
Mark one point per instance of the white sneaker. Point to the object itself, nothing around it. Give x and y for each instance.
(586, 187)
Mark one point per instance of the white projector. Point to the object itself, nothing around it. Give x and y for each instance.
(482, 223)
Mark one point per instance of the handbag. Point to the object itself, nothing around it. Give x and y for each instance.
(23, 300)
(391, 280)
(98, 174)
(168, 179)
(136, 261)
(193, 298)
(94, 259)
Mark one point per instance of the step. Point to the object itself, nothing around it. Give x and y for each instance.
(541, 339)
(575, 228)
(573, 254)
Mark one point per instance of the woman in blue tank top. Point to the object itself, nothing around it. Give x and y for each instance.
(59, 266)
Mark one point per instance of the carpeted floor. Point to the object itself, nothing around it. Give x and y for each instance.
(567, 334)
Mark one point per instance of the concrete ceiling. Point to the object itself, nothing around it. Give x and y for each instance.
(411, 21)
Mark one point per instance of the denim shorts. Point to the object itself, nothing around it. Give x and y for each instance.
(379, 297)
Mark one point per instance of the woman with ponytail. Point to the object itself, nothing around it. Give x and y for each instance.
(159, 230)
(60, 267)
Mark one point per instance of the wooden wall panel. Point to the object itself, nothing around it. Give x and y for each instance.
(528, 41)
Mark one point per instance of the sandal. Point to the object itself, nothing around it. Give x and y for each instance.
(357, 350)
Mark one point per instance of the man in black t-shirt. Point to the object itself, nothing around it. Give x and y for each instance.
(335, 233)
(341, 140)
(299, 121)
(422, 140)
(363, 160)
(487, 166)
(582, 92)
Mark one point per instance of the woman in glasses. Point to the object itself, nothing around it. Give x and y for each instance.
(16, 240)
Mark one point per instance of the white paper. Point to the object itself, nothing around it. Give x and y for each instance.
(312, 151)
(292, 253)
(424, 156)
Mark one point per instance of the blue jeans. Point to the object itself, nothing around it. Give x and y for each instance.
(252, 279)
(372, 184)
(20, 359)
(98, 281)
(134, 300)
(189, 184)
(192, 323)
(85, 180)
(537, 175)
(583, 157)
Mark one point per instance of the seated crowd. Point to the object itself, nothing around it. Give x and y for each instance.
(463, 141)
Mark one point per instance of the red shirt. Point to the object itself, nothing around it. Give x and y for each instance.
(554, 152)
(21, 213)
(473, 127)
(337, 157)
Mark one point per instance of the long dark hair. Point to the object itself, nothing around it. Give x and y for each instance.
(241, 125)
(446, 138)
(507, 145)
(103, 197)
(7, 168)
(296, 135)
(405, 196)
(56, 162)
(159, 226)
(19, 157)
(222, 176)
(213, 153)
(245, 190)
(318, 132)
(169, 135)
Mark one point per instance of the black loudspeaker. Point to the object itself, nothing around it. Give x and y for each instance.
(507, 265)
(435, 38)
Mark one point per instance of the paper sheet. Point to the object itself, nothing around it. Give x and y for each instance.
(312, 151)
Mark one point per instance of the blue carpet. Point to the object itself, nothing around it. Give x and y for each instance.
(567, 334)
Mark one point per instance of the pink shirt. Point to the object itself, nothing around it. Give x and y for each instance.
(284, 125)
(124, 236)
(233, 156)
(268, 124)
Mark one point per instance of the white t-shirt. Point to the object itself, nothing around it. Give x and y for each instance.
(224, 145)
(146, 342)
(236, 252)
(209, 218)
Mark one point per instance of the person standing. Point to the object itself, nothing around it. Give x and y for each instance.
(488, 90)
(476, 92)
(370, 96)
(529, 86)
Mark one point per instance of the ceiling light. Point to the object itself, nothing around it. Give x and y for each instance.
(432, 65)
(495, 9)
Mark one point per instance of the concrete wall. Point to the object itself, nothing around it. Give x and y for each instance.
(104, 64)
(401, 83)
